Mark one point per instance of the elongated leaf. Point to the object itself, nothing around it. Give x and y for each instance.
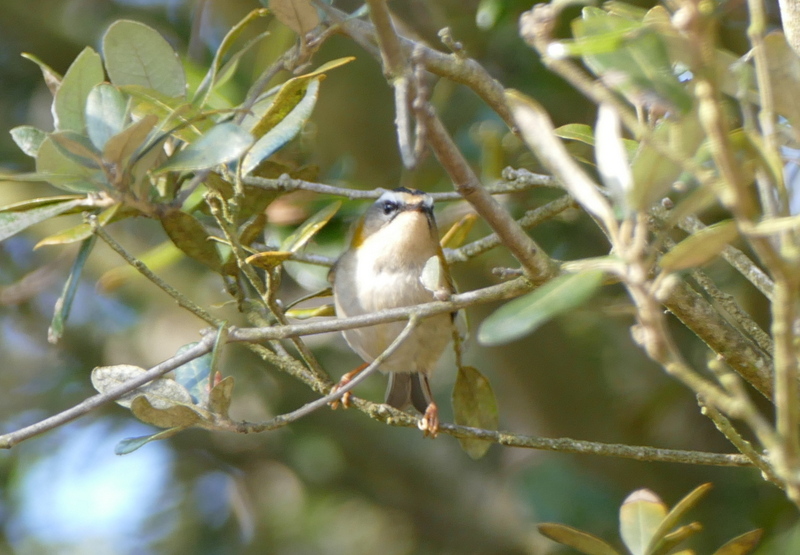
(522, 316)
(284, 131)
(51, 77)
(576, 539)
(612, 159)
(474, 405)
(187, 121)
(268, 260)
(131, 444)
(28, 139)
(303, 234)
(105, 114)
(136, 54)
(222, 144)
(25, 205)
(158, 257)
(12, 222)
(65, 173)
(194, 375)
(678, 512)
(70, 100)
(741, 545)
(190, 236)
(669, 542)
(64, 302)
(172, 416)
(314, 312)
(298, 15)
(79, 232)
(457, 234)
(700, 247)
(77, 148)
(639, 518)
(162, 393)
(207, 85)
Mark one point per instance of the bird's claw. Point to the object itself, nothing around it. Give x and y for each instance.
(429, 423)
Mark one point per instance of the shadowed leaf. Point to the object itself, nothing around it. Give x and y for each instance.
(105, 114)
(194, 375)
(669, 542)
(77, 148)
(474, 405)
(457, 234)
(12, 222)
(162, 392)
(131, 444)
(136, 54)
(678, 512)
(303, 234)
(80, 231)
(219, 400)
(173, 416)
(577, 539)
(268, 260)
(122, 146)
(64, 302)
(51, 77)
(61, 171)
(223, 143)
(298, 15)
(524, 315)
(191, 237)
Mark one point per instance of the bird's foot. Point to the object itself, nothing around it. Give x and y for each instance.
(344, 400)
(429, 423)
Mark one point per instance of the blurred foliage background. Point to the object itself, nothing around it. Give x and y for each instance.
(335, 482)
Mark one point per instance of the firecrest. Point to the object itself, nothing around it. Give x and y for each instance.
(382, 268)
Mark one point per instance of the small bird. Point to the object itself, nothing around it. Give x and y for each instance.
(383, 269)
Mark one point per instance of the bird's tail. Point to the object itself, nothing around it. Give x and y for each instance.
(410, 388)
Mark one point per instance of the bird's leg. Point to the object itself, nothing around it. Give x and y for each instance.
(429, 423)
(345, 400)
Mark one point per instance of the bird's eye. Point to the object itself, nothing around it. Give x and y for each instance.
(389, 206)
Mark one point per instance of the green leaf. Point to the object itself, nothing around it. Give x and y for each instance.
(639, 518)
(298, 15)
(522, 316)
(784, 70)
(136, 54)
(313, 312)
(64, 302)
(677, 513)
(700, 247)
(28, 139)
(12, 222)
(63, 172)
(77, 148)
(51, 77)
(576, 132)
(172, 416)
(162, 392)
(222, 144)
(268, 260)
(131, 444)
(191, 237)
(30, 204)
(668, 542)
(79, 232)
(219, 400)
(188, 121)
(106, 113)
(70, 100)
(284, 131)
(576, 539)
(303, 234)
(474, 405)
(194, 375)
(209, 81)
(741, 545)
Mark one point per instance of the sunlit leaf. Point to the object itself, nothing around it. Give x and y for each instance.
(268, 260)
(474, 405)
(303, 234)
(298, 15)
(741, 545)
(457, 234)
(612, 159)
(51, 77)
(136, 54)
(79, 232)
(122, 146)
(105, 114)
(678, 512)
(668, 542)
(639, 518)
(70, 101)
(577, 539)
(28, 139)
(700, 247)
(284, 131)
(162, 392)
(313, 312)
(25, 205)
(175, 113)
(131, 444)
(191, 237)
(525, 314)
(223, 143)
(64, 301)
(12, 222)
